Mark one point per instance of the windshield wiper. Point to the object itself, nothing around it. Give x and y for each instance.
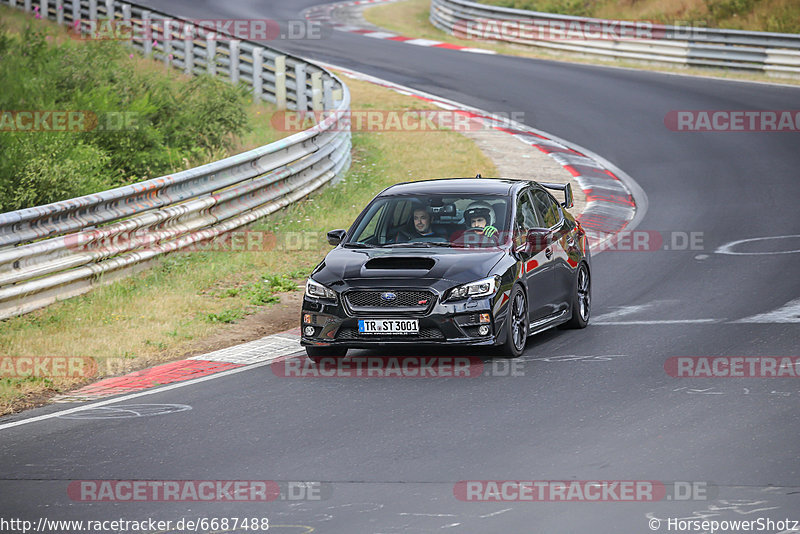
(421, 244)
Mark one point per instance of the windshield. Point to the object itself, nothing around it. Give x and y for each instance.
(433, 221)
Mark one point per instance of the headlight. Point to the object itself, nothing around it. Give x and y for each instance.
(316, 290)
(480, 288)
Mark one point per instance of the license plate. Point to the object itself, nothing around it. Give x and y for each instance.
(388, 326)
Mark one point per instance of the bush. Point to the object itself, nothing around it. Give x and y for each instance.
(169, 122)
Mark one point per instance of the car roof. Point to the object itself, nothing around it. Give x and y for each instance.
(450, 186)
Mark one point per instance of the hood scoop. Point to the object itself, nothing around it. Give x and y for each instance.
(401, 263)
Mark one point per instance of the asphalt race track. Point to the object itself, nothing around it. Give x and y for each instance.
(590, 405)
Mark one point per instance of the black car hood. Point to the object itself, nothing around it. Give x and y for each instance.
(456, 265)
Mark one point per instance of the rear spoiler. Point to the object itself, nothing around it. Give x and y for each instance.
(566, 188)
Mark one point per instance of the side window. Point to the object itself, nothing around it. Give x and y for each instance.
(546, 208)
(402, 213)
(370, 225)
(525, 219)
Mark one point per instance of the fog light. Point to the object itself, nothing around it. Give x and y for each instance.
(484, 318)
(483, 330)
(309, 330)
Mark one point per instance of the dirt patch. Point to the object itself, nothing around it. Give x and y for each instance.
(281, 316)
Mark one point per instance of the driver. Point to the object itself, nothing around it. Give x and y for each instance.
(480, 215)
(420, 225)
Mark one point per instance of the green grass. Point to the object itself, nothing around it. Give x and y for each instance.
(225, 316)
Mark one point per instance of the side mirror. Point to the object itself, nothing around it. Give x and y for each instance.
(538, 239)
(336, 236)
(568, 198)
(566, 188)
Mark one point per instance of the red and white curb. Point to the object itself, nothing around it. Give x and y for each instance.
(330, 13)
(261, 350)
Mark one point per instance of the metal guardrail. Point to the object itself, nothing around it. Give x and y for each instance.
(774, 53)
(59, 250)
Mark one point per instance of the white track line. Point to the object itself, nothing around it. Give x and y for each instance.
(656, 322)
(140, 394)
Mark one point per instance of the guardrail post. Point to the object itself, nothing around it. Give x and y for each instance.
(188, 49)
(59, 12)
(211, 53)
(13, 3)
(338, 95)
(110, 9)
(44, 8)
(258, 70)
(280, 82)
(92, 11)
(126, 16)
(327, 94)
(166, 39)
(234, 65)
(28, 5)
(300, 86)
(148, 33)
(76, 15)
(316, 91)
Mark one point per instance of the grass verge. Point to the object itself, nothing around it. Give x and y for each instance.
(411, 18)
(167, 312)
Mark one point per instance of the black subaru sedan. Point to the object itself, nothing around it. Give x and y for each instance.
(471, 261)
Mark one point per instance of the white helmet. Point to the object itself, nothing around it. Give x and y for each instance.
(479, 209)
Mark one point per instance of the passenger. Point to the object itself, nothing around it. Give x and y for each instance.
(422, 222)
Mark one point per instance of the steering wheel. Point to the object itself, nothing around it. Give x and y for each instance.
(479, 231)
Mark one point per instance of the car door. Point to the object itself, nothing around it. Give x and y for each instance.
(536, 266)
(550, 212)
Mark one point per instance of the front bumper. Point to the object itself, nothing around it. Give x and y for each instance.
(336, 324)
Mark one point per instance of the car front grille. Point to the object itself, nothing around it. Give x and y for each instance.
(424, 333)
(405, 300)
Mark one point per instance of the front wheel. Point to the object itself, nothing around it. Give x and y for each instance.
(581, 299)
(316, 354)
(516, 323)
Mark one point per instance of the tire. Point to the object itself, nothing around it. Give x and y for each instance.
(316, 354)
(516, 324)
(581, 299)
